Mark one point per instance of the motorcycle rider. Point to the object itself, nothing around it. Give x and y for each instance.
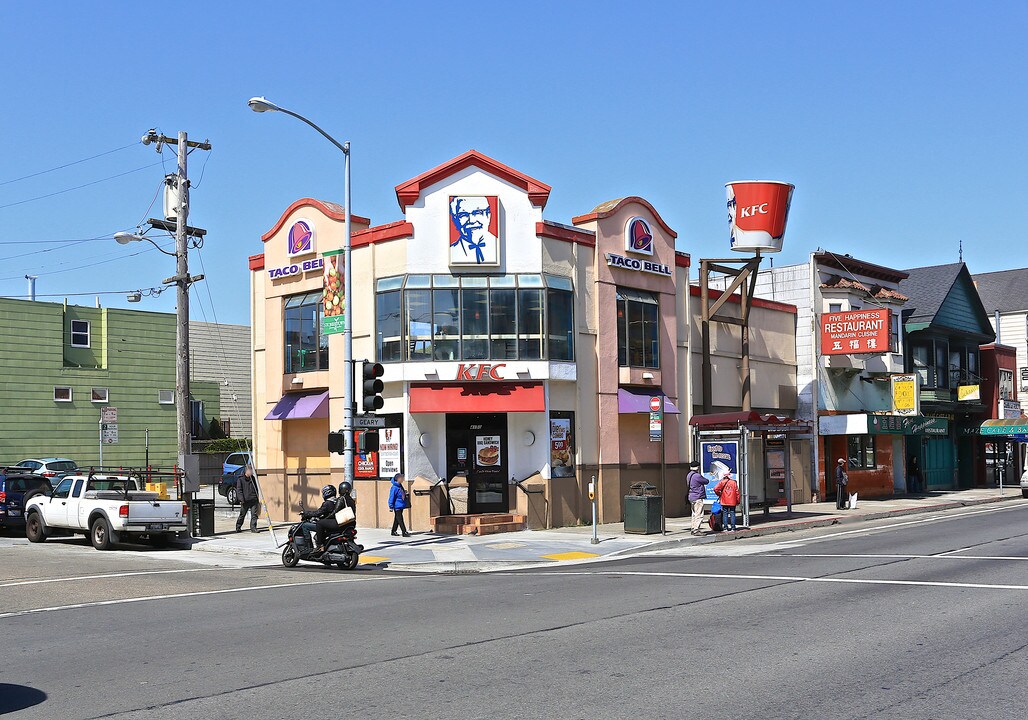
(327, 524)
(311, 517)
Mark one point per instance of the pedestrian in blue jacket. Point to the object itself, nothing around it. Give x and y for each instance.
(399, 501)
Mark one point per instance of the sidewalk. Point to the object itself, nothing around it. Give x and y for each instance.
(428, 552)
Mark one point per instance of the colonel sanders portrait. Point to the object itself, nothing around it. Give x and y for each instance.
(473, 231)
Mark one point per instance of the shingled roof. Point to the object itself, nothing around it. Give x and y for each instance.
(1005, 290)
(929, 289)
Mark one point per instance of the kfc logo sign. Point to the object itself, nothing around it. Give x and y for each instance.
(474, 372)
(753, 210)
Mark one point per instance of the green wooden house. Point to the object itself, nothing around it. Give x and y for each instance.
(60, 365)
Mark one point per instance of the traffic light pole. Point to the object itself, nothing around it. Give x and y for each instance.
(348, 395)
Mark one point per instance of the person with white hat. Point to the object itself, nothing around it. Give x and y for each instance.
(841, 480)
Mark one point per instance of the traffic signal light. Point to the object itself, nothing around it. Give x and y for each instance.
(367, 441)
(336, 443)
(372, 386)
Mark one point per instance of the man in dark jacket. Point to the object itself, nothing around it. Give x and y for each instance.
(697, 494)
(841, 481)
(311, 517)
(249, 501)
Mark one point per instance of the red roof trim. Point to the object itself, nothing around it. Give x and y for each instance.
(408, 192)
(330, 209)
(552, 230)
(257, 262)
(757, 302)
(589, 217)
(683, 259)
(382, 233)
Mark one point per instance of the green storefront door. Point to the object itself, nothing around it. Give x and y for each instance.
(939, 463)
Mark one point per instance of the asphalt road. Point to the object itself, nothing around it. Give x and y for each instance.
(915, 618)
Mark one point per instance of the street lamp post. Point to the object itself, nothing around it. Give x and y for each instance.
(261, 104)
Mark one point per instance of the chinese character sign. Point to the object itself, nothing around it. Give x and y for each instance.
(855, 332)
(474, 230)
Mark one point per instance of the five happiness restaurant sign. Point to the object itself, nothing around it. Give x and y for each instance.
(855, 332)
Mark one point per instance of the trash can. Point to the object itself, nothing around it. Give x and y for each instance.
(644, 509)
(201, 514)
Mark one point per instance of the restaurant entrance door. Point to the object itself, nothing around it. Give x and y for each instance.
(476, 446)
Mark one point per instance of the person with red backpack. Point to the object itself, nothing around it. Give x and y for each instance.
(727, 491)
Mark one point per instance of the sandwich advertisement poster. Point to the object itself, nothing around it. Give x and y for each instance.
(487, 451)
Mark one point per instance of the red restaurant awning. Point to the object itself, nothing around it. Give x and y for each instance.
(300, 406)
(485, 397)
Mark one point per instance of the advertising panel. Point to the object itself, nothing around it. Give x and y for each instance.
(855, 332)
(474, 230)
(389, 451)
(757, 213)
(562, 459)
(487, 451)
(365, 464)
(716, 458)
(332, 318)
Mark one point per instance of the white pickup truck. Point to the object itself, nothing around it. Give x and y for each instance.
(107, 508)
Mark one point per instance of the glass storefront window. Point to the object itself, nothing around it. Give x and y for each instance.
(503, 323)
(418, 310)
(475, 323)
(306, 349)
(389, 327)
(530, 324)
(446, 324)
(560, 325)
(638, 337)
(860, 452)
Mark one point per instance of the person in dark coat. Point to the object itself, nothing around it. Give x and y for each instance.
(914, 484)
(311, 517)
(697, 496)
(249, 499)
(841, 481)
(399, 501)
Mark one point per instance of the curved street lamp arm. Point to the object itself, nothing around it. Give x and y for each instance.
(159, 248)
(345, 148)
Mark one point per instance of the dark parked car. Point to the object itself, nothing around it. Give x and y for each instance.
(17, 484)
(227, 486)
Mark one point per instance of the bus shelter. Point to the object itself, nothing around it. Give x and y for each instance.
(771, 457)
(1003, 431)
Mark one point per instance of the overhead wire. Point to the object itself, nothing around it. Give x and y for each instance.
(78, 187)
(121, 256)
(67, 165)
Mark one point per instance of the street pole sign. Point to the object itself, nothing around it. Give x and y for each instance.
(369, 421)
(109, 434)
(656, 419)
(109, 415)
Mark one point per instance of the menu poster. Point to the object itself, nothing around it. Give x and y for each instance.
(365, 464)
(562, 461)
(389, 451)
(487, 451)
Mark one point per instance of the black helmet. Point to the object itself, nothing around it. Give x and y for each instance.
(328, 491)
(345, 488)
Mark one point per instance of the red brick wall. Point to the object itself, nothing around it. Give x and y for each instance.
(875, 483)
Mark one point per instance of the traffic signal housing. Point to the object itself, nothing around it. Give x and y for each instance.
(372, 386)
(336, 443)
(367, 441)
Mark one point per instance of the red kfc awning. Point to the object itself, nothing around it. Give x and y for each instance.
(478, 398)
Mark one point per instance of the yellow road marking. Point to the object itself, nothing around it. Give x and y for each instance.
(372, 559)
(571, 556)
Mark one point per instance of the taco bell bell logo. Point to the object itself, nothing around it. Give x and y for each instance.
(638, 236)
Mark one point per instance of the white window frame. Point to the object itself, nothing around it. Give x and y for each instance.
(161, 397)
(75, 332)
(93, 395)
(71, 393)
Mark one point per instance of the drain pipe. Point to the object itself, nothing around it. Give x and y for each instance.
(998, 341)
(32, 287)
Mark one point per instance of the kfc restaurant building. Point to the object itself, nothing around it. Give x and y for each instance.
(521, 355)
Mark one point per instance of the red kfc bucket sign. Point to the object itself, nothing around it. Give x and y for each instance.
(757, 212)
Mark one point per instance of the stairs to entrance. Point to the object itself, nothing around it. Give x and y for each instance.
(484, 524)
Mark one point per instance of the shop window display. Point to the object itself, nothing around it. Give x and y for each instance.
(306, 349)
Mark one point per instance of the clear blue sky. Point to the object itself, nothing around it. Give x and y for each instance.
(902, 125)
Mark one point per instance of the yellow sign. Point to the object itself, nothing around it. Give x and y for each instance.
(904, 395)
(969, 392)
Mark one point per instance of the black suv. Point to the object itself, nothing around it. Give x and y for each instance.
(17, 485)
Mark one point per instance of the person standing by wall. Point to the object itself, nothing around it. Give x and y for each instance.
(249, 500)
(728, 492)
(399, 501)
(841, 481)
(913, 476)
(697, 494)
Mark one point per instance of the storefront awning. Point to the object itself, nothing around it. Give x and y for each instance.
(480, 398)
(744, 417)
(637, 400)
(1008, 426)
(300, 406)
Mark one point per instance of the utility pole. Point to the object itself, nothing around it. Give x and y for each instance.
(182, 281)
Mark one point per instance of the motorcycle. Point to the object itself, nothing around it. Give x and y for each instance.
(341, 548)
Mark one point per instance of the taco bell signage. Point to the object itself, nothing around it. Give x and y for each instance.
(630, 263)
(757, 213)
(296, 268)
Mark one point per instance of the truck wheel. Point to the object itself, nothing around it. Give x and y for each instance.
(230, 495)
(290, 556)
(1024, 493)
(34, 530)
(100, 534)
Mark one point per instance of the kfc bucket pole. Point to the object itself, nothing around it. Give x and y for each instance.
(757, 213)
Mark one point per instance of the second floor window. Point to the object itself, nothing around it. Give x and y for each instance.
(638, 336)
(306, 349)
(1006, 384)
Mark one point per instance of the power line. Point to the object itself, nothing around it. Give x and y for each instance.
(66, 165)
(82, 267)
(79, 187)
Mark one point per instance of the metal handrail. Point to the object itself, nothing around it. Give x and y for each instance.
(429, 491)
